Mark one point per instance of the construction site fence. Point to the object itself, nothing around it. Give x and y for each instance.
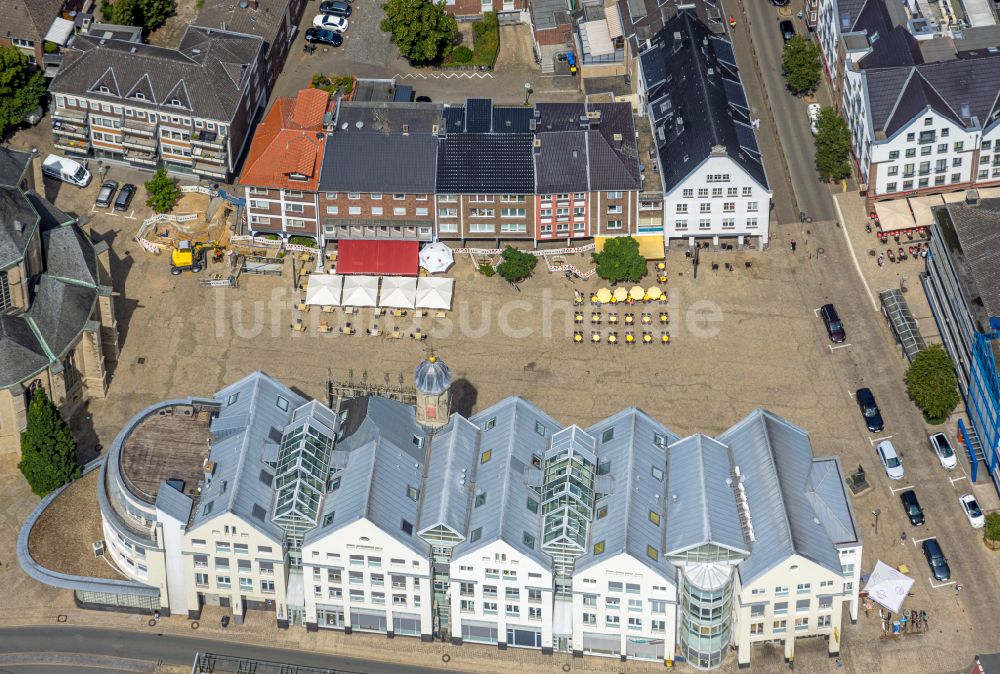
(187, 189)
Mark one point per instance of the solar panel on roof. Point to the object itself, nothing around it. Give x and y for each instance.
(747, 140)
(735, 94)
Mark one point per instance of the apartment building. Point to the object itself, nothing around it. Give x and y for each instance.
(508, 11)
(712, 175)
(189, 109)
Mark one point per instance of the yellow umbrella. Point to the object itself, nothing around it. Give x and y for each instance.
(621, 294)
(636, 292)
(654, 293)
(603, 295)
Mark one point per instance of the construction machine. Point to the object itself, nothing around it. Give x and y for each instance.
(189, 256)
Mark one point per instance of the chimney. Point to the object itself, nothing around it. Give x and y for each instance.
(19, 226)
(536, 145)
(406, 129)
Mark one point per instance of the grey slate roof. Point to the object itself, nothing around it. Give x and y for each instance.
(635, 492)
(642, 19)
(21, 354)
(241, 433)
(70, 256)
(775, 458)
(446, 499)
(29, 19)
(972, 246)
(59, 311)
(265, 21)
(689, 107)
(13, 164)
(15, 207)
(173, 502)
(485, 163)
(50, 216)
(207, 72)
(369, 161)
(701, 507)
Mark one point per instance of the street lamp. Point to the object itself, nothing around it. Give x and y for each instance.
(876, 513)
(527, 92)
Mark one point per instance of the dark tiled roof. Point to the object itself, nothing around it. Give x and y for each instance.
(643, 19)
(512, 119)
(265, 21)
(29, 19)
(472, 163)
(389, 117)
(610, 167)
(894, 48)
(973, 247)
(478, 115)
(368, 161)
(69, 255)
(59, 311)
(51, 216)
(454, 118)
(561, 163)
(12, 166)
(689, 107)
(21, 355)
(560, 116)
(15, 207)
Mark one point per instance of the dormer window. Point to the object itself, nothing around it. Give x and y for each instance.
(297, 176)
(175, 101)
(103, 89)
(139, 95)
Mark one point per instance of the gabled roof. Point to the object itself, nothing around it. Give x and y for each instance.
(690, 74)
(289, 140)
(561, 162)
(450, 473)
(30, 19)
(370, 161)
(13, 165)
(485, 163)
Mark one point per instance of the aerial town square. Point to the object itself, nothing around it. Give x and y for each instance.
(499, 336)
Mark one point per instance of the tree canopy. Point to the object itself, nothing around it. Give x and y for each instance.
(21, 88)
(48, 450)
(150, 14)
(620, 260)
(833, 145)
(517, 265)
(932, 385)
(801, 65)
(161, 192)
(421, 29)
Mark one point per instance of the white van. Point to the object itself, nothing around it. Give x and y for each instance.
(66, 170)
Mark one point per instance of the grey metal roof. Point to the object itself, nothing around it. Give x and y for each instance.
(634, 492)
(14, 208)
(775, 458)
(972, 238)
(248, 422)
(69, 255)
(506, 475)
(447, 490)
(701, 507)
(173, 502)
(59, 312)
(370, 161)
(685, 71)
(432, 376)
(829, 500)
(21, 354)
(208, 72)
(13, 164)
(485, 163)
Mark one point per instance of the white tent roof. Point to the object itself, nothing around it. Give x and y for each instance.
(887, 586)
(398, 291)
(360, 291)
(597, 37)
(921, 207)
(894, 215)
(60, 31)
(436, 257)
(434, 293)
(324, 290)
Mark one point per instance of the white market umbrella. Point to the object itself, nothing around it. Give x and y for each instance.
(360, 291)
(436, 257)
(324, 290)
(434, 293)
(399, 292)
(888, 587)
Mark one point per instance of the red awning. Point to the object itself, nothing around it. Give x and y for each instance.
(378, 258)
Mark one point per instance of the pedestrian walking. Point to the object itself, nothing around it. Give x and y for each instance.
(881, 261)
(902, 538)
(793, 245)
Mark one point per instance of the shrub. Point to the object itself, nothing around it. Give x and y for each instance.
(932, 385)
(271, 237)
(303, 241)
(486, 269)
(487, 39)
(462, 54)
(50, 47)
(991, 532)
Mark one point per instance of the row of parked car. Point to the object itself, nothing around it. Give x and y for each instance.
(106, 195)
(330, 24)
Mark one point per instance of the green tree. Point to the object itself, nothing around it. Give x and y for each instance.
(155, 12)
(422, 30)
(48, 450)
(801, 65)
(620, 260)
(161, 192)
(21, 88)
(931, 383)
(833, 145)
(150, 14)
(517, 265)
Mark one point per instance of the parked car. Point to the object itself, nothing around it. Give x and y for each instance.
(945, 454)
(912, 507)
(813, 111)
(779, 3)
(424, 99)
(972, 511)
(335, 23)
(890, 460)
(936, 560)
(106, 195)
(324, 36)
(870, 411)
(125, 197)
(787, 30)
(834, 326)
(335, 8)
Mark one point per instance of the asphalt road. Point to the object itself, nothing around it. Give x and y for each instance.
(169, 649)
(811, 195)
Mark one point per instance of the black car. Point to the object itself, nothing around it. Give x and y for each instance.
(335, 8)
(935, 559)
(787, 30)
(870, 411)
(424, 99)
(107, 194)
(125, 197)
(912, 507)
(779, 3)
(834, 326)
(324, 36)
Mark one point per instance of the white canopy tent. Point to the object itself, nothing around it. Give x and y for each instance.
(324, 290)
(434, 293)
(60, 31)
(436, 257)
(888, 587)
(399, 292)
(360, 291)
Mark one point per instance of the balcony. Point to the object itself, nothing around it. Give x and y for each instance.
(135, 127)
(69, 114)
(212, 156)
(71, 144)
(79, 130)
(143, 158)
(148, 144)
(210, 169)
(202, 138)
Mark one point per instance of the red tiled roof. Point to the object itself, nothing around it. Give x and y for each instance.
(288, 140)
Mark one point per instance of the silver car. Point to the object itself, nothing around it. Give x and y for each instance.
(890, 460)
(942, 448)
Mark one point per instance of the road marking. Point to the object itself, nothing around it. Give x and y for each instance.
(873, 441)
(131, 216)
(93, 209)
(937, 587)
(111, 213)
(900, 489)
(446, 76)
(816, 312)
(920, 540)
(839, 346)
(854, 258)
(956, 479)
